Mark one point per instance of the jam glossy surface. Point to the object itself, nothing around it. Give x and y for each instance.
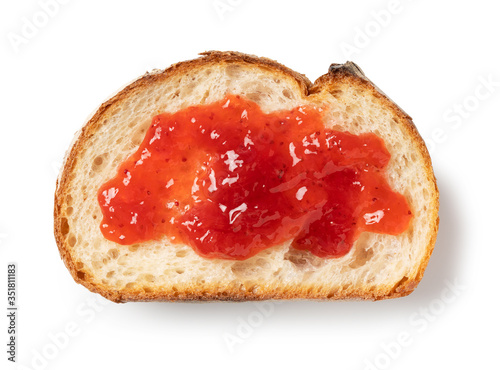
(231, 181)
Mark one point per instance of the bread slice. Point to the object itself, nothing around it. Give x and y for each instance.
(378, 266)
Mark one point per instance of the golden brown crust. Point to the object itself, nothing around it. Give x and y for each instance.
(337, 75)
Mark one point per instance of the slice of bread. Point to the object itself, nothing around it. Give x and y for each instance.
(378, 266)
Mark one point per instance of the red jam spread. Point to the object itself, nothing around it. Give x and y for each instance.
(231, 181)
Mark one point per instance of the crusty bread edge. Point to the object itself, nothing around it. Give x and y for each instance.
(338, 73)
(352, 72)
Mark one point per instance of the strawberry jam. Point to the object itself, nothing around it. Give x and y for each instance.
(231, 181)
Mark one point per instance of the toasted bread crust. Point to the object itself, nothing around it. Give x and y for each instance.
(338, 74)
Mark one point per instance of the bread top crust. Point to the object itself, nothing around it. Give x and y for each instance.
(338, 75)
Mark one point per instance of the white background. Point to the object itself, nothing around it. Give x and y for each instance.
(431, 57)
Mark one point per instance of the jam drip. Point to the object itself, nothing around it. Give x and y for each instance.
(231, 181)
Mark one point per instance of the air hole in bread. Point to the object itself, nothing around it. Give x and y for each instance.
(110, 274)
(287, 93)
(234, 70)
(401, 282)
(79, 265)
(118, 159)
(251, 287)
(133, 247)
(337, 128)
(181, 253)
(244, 269)
(113, 253)
(69, 211)
(425, 194)
(97, 165)
(361, 257)
(147, 278)
(205, 96)
(255, 96)
(357, 122)
(351, 108)
(80, 275)
(393, 126)
(137, 138)
(303, 260)
(179, 271)
(129, 272)
(96, 261)
(71, 240)
(257, 92)
(64, 226)
(147, 289)
(130, 285)
(410, 231)
(187, 90)
(98, 160)
(133, 123)
(94, 217)
(347, 286)
(332, 294)
(262, 263)
(336, 93)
